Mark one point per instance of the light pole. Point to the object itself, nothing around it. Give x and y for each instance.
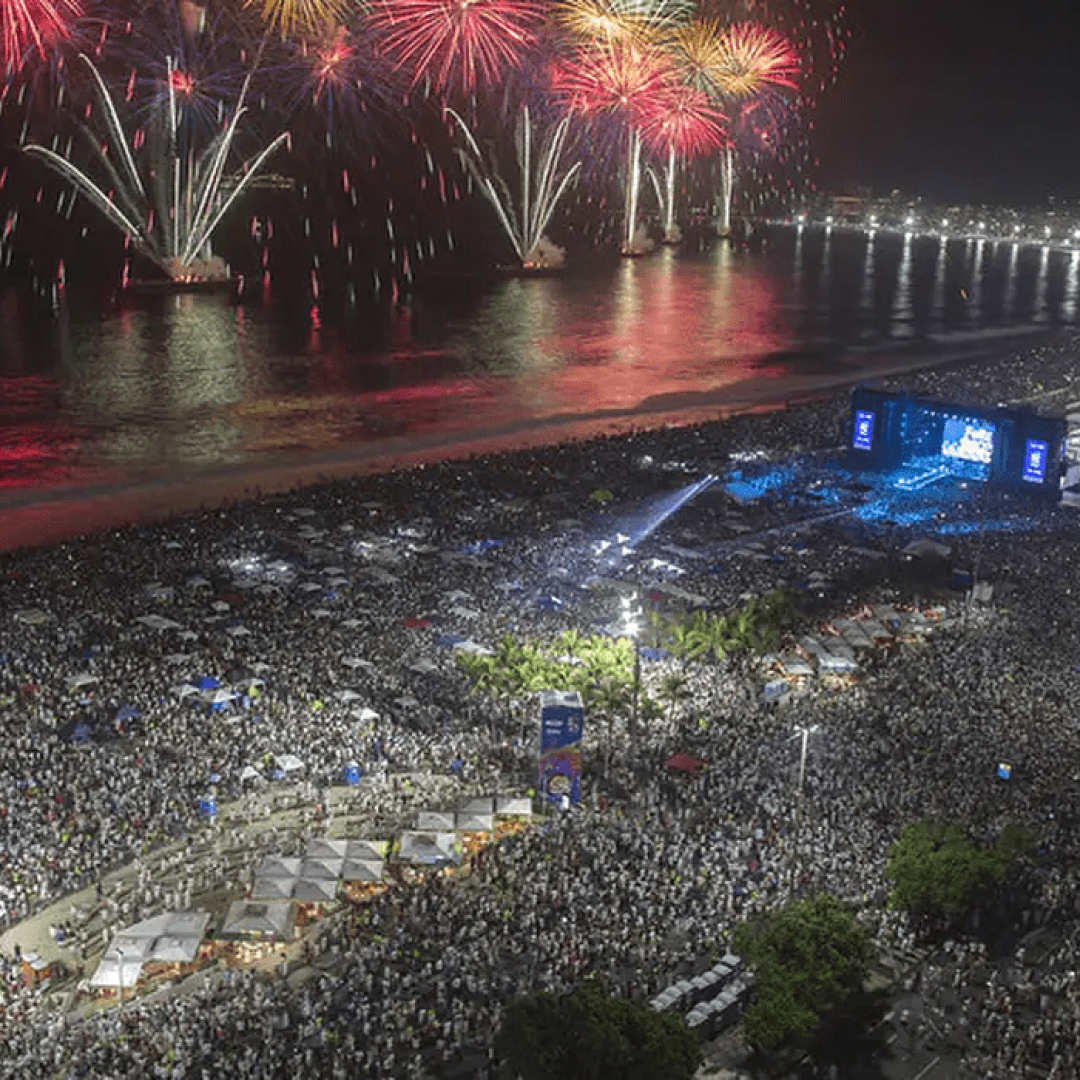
(801, 732)
(631, 627)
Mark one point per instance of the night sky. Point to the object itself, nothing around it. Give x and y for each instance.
(957, 101)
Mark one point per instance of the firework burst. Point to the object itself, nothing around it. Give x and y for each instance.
(29, 26)
(685, 122)
(342, 89)
(621, 20)
(629, 86)
(300, 17)
(457, 44)
(751, 58)
(624, 81)
(689, 125)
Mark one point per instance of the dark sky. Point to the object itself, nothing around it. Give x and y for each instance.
(957, 101)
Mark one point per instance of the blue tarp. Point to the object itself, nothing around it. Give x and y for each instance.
(127, 712)
(352, 774)
(81, 735)
(448, 641)
(207, 682)
(654, 654)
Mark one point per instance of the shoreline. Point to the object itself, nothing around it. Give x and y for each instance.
(61, 515)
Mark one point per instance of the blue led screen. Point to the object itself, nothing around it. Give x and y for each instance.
(1035, 455)
(968, 439)
(863, 436)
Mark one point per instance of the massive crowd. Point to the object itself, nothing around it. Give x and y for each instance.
(325, 620)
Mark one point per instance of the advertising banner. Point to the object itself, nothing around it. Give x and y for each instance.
(562, 718)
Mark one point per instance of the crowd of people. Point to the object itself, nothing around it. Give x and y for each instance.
(321, 625)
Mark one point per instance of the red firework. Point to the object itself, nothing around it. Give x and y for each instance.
(34, 25)
(751, 58)
(457, 43)
(688, 124)
(630, 82)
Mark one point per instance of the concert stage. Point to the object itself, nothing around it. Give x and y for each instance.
(922, 441)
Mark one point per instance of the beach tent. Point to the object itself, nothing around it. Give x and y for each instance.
(158, 622)
(315, 890)
(249, 772)
(363, 871)
(367, 850)
(321, 847)
(365, 714)
(430, 849)
(324, 868)
(288, 763)
(272, 888)
(246, 918)
(513, 806)
(433, 821)
(474, 822)
(277, 866)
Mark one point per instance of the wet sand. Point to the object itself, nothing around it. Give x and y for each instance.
(49, 517)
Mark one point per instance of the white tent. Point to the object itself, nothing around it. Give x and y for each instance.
(272, 888)
(315, 890)
(322, 847)
(246, 918)
(346, 695)
(367, 871)
(430, 849)
(288, 763)
(365, 714)
(323, 869)
(367, 850)
(276, 866)
(478, 806)
(84, 678)
(158, 622)
(173, 937)
(474, 822)
(432, 821)
(513, 806)
(249, 772)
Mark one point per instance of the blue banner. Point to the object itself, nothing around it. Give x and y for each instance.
(562, 721)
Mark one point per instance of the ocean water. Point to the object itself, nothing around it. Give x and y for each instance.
(164, 402)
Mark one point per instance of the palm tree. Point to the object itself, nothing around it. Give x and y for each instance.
(674, 689)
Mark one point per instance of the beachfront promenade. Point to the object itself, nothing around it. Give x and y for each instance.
(306, 609)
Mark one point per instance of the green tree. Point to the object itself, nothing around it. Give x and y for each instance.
(809, 959)
(674, 689)
(588, 1035)
(940, 874)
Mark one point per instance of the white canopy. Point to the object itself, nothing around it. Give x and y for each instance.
(315, 890)
(322, 847)
(474, 822)
(276, 866)
(433, 821)
(362, 871)
(513, 806)
(324, 869)
(430, 848)
(246, 918)
(272, 888)
(84, 678)
(288, 762)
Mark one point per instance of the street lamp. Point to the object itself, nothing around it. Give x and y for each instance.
(631, 627)
(804, 733)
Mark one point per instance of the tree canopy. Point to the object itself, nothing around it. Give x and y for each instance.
(589, 1035)
(809, 960)
(939, 873)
